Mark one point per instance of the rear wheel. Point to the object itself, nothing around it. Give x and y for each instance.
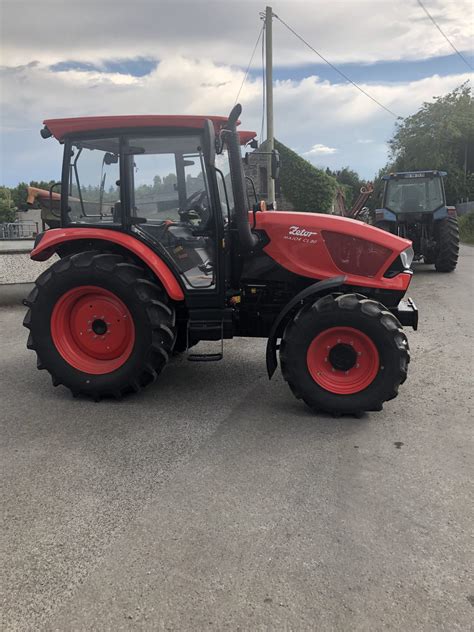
(448, 245)
(344, 354)
(99, 325)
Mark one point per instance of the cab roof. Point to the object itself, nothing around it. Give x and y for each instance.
(425, 173)
(60, 128)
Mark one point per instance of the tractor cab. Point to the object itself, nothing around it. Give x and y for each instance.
(156, 177)
(416, 192)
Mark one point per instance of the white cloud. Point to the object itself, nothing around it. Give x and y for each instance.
(225, 31)
(319, 149)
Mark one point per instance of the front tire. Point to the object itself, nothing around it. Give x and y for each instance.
(448, 245)
(344, 354)
(100, 325)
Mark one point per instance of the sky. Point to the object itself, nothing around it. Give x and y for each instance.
(63, 58)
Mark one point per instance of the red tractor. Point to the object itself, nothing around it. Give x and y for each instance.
(159, 248)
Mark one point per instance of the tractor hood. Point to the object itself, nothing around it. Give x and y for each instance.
(322, 246)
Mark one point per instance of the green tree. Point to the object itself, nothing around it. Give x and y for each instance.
(309, 189)
(350, 181)
(7, 207)
(439, 136)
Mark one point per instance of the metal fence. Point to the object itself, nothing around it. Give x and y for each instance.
(19, 230)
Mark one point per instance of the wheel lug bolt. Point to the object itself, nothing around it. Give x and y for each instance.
(359, 353)
(357, 366)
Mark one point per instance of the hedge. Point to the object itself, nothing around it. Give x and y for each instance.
(310, 190)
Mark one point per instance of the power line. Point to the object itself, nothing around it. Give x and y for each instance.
(250, 63)
(444, 35)
(348, 79)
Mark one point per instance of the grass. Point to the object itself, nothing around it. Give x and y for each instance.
(466, 228)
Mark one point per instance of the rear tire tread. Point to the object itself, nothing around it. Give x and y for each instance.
(448, 245)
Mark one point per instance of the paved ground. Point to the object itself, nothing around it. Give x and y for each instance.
(216, 501)
(16, 245)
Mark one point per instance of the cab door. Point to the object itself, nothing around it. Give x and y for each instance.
(172, 202)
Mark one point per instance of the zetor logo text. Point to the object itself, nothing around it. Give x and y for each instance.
(296, 233)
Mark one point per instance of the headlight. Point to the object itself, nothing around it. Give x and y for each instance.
(406, 257)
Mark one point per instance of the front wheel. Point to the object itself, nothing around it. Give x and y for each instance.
(99, 325)
(344, 354)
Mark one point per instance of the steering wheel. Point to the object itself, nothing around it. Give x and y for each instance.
(195, 209)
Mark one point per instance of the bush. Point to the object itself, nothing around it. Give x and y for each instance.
(7, 208)
(466, 227)
(309, 189)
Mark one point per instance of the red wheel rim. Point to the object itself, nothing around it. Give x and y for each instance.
(92, 329)
(343, 360)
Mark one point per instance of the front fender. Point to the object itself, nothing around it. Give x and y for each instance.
(50, 241)
(312, 290)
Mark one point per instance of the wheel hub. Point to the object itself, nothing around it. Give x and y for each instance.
(343, 357)
(99, 327)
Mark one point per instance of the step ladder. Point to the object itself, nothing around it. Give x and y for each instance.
(208, 330)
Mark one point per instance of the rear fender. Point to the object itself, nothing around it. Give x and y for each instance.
(313, 290)
(50, 241)
(444, 212)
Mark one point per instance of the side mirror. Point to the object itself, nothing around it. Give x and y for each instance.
(110, 159)
(209, 142)
(275, 164)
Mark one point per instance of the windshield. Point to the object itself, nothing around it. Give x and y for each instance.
(168, 177)
(423, 195)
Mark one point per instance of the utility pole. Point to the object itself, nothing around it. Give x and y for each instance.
(269, 94)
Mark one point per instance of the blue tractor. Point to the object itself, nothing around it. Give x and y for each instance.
(414, 207)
